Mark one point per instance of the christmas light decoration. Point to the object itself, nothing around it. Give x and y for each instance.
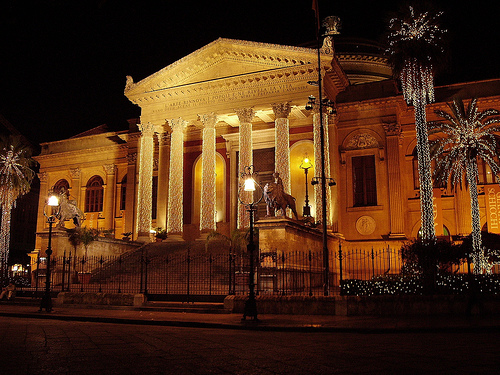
(208, 176)
(282, 143)
(176, 181)
(15, 180)
(145, 186)
(317, 165)
(246, 154)
(414, 48)
(465, 135)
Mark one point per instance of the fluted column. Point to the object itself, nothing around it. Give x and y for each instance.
(131, 196)
(397, 217)
(163, 168)
(317, 165)
(282, 143)
(109, 196)
(245, 116)
(145, 188)
(208, 176)
(176, 181)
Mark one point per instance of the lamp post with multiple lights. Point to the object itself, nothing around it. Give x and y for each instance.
(52, 205)
(331, 25)
(250, 194)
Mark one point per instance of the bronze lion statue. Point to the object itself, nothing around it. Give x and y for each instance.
(277, 199)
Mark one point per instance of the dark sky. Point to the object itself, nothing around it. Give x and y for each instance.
(63, 62)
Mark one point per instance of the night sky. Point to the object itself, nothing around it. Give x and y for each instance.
(63, 62)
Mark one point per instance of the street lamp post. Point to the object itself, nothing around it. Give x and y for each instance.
(305, 165)
(331, 24)
(53, 203)
(246, 196)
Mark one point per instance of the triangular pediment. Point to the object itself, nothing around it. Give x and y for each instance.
(224, 59)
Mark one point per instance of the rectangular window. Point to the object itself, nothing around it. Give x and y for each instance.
(364, 181)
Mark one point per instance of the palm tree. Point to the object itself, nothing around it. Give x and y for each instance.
(465, 135)
(16, 174)
(414, 50)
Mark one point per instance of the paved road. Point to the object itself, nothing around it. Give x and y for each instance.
(38, 346)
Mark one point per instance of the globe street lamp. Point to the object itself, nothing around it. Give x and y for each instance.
(306, 165)
(52, 206)
(250, 194)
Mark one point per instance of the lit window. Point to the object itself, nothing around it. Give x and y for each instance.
(364, 181)
(94, 195)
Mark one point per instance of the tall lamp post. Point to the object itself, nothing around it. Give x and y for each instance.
(52, 205)
(331, 25)
(306, 165)
(250, 194)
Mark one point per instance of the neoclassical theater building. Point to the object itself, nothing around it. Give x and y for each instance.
(236, 103)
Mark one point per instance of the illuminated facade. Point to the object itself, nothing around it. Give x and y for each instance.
(235, 103)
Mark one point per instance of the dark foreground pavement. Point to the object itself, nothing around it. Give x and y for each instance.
(360, 324)
(73, 341)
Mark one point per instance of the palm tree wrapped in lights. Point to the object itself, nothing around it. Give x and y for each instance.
(465, 135)
(414, 50)
(15, 180)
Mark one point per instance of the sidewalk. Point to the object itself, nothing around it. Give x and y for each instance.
(312, 323)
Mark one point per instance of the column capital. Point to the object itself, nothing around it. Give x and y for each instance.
(43, 176)
(209, 119)
(281, 110)
(245, 115)
(177, 124)
(75, 172)
(109, 168)
(392, 128)
(147, 129)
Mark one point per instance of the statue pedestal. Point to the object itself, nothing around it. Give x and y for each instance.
(59, 242)
(286, 235)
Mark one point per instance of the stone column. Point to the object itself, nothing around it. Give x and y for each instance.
(282, 143)
(245, 115)
(109, 196)
(163, 168)
(208, 176)
(334, 170)
(145, 187)
(396, 214)
(131, 193)
(317, 165)
(175, 212)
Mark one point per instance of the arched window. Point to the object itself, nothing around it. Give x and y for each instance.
(94, 194)
(123, 193)
(61, 185)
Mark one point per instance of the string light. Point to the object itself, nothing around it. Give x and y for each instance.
(145, 186)
(15, 181)
(245, 155)
(208, 176)
(176, 173)
(465, 135)
(414, 47)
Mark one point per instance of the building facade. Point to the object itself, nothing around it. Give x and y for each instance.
(233, 104)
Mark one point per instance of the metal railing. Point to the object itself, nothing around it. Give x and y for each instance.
(188, 273)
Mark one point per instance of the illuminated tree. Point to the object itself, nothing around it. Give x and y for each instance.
(15, 180)
(414, 50)
(465, 135)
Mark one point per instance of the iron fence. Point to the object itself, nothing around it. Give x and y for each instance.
(188, 274)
